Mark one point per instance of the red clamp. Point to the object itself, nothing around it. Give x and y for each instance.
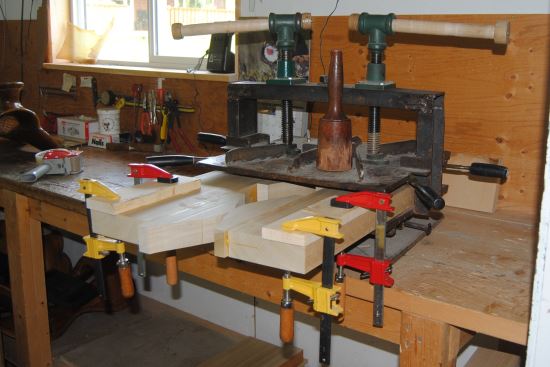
(365, 199)
(147, 170)
(377, 269)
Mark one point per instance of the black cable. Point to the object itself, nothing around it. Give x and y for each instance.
(21, 38)
(321, 36)
(196, 96)
(29, 26)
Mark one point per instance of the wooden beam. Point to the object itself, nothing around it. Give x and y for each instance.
(426, 342)
(58, 217)
(26, 262)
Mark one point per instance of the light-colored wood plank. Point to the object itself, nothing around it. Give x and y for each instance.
(297, 252)
(142, 195)
(274, 232)
(484, 357)
(26, 262)
(468, 192)
(425, 342)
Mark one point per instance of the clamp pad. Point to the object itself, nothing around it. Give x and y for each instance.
(324, 299)
(147, 170)
(93, 187)
(96, 247)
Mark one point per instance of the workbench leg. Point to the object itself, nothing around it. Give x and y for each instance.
(27, 283)
(427, 343)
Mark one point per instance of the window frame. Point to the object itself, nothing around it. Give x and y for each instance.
(78, 17)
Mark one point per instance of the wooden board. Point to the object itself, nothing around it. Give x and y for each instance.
(470, 192)
(241, 236)
(254, 352)
(145, 194)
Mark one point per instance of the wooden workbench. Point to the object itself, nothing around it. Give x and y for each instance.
(473, 274)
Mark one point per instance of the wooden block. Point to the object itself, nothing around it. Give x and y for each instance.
(242, 236)
(147, 193)
(471, 192)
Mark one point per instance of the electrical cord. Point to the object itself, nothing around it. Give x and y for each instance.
(196, 96)
(321, 36)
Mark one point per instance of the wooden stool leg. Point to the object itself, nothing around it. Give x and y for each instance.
(427, 342)
(28, 288)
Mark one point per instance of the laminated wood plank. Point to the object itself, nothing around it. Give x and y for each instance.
(303, 252)
(184, 220)
(147, 193)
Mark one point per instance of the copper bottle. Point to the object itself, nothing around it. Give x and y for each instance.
(334, 151)
(19, 123)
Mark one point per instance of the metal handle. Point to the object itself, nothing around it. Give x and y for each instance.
(34, 174)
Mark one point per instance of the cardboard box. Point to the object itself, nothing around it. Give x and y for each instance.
(101, 140)
(78, 128)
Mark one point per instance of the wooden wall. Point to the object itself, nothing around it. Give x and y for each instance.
(496, 99)
(208, 97)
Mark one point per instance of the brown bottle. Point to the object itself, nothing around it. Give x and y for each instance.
(19, 123)
(334, 150)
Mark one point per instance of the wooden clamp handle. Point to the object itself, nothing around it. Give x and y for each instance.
(499, 32)
(238, 26)
(126, 281)
(286, 326)
(249, 25)
(171, 268)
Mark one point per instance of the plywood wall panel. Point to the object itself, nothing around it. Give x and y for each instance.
(496, 99)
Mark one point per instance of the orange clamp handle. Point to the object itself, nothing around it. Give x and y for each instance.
(171, 268)
(286, 325)
(126, 281)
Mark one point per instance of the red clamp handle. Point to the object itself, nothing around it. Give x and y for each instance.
(367, 200)
(147, 170)
(377, 269)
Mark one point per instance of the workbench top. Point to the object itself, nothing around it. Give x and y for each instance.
(474, 271)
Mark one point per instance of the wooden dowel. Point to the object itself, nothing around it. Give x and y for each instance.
(126, 281)
(238, 26)
(249, 25)
(499, 32)
(171, 268)
(286, 324)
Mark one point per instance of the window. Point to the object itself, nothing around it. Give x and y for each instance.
(138, 32)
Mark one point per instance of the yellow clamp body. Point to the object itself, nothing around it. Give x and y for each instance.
(93, 187)
(324, 299)
(324, 227)
(96, 247)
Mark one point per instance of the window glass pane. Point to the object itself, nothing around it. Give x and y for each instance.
(127, 40)
(189, 12)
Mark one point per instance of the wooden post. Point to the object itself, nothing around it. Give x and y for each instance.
(28, 290)
(426, 343)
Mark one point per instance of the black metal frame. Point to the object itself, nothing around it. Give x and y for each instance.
(430, 124)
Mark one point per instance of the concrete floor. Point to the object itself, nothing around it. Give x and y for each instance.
(158, 335)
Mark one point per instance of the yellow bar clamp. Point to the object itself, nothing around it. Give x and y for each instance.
(324, 227)
(98, 247)
(93, 187)
(324, 299)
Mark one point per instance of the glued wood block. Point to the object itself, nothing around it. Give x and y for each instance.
(147, 193)
(252, 234)
(184, 220)
(471, 192)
